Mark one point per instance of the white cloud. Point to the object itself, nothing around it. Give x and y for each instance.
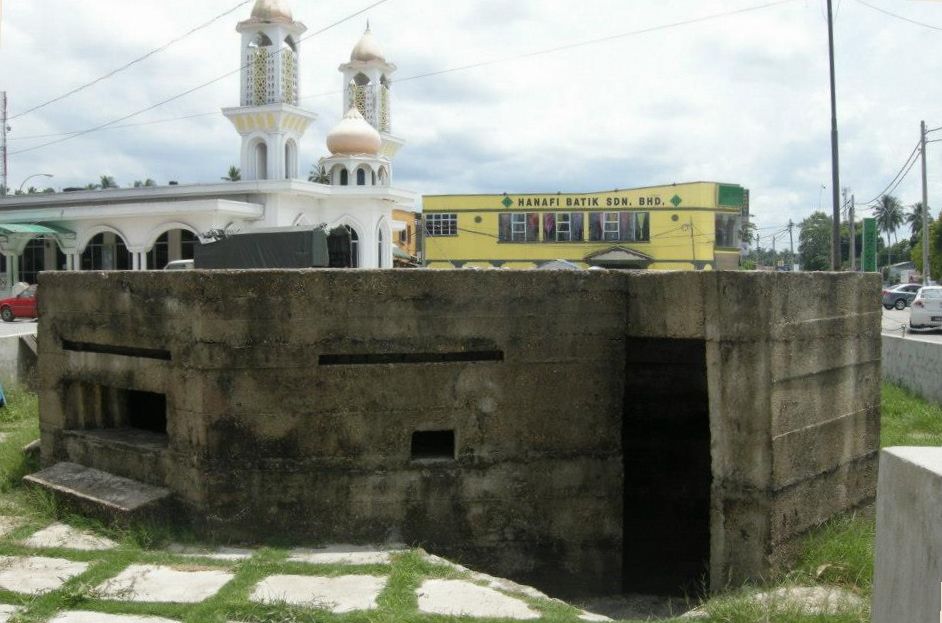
(743, 99)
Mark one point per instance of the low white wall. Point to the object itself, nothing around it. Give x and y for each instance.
(9, 360)
(908, 557)
(914, 364)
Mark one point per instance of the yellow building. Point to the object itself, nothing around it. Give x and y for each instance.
(682, 226)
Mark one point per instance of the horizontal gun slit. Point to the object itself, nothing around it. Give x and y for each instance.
(123, 351)
(373, 359)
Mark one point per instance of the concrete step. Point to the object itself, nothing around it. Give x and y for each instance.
(100, 491)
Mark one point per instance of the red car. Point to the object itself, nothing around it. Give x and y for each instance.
(21, 306)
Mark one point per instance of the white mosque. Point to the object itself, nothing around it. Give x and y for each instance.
(144, 228)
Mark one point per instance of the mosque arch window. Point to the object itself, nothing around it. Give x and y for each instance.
(106, 251)
(383, 176)
(289, 41)
(361, 177)
(361, 79)
(344, 177)
(379, 249)
(261, 161)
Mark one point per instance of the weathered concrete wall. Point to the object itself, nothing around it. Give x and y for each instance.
(17, 363)
(915, 364)
(292, 398)
(908, 564)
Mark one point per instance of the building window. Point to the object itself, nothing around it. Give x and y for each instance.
(441, 224)
(563, 227)
(33, 260)
(519, 227)
(728, 230)
(620, 226)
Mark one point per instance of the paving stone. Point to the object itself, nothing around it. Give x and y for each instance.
(344, 555)
(155, 583)
(97, 617)
(341, 594)
(7, 612)
(8, 525)
(460, 598)
(219, 553)
(61, 535)
(35, 574)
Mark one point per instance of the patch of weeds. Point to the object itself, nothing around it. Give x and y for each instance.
(840, 553)
(908, 420)
(21, 405)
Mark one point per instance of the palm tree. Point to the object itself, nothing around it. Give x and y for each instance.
(318, 175)
(889, 215)
(914, 220)
(235, 174)
(107, 182)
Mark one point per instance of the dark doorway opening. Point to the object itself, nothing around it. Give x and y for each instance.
(147, 411)
(433, 445)
(668, 474)
(343, 248)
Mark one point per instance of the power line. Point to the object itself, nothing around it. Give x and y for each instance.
(899, 17)
(131, 63)
(908, 163)
(588, 42)
(189, 91)
(428, 74)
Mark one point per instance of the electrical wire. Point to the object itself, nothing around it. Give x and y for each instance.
(897, 16)
(908, 163)
(130, 63)
(532, 54)
(188, 91)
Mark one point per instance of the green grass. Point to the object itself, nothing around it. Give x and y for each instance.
(839, 553)
(908, 420)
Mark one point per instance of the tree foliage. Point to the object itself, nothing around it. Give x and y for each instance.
(935, 250)
(318, 175)
(234, 175)
(814, 242)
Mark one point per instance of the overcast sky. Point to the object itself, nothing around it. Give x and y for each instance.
(742, 99)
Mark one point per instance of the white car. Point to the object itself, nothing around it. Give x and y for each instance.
(926, 310)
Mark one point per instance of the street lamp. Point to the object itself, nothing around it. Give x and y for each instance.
(31, 177)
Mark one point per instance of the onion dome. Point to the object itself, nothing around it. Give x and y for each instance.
(367, 49)
(354, 136)
(272, 11)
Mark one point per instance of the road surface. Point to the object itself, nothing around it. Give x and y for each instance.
(894, 321)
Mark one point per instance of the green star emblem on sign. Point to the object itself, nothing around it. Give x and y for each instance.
(676, 200)
(507, 202)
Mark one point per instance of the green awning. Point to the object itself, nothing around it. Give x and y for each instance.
(34, 229)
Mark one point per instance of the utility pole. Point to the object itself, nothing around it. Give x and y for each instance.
(853, 236)
(4, 173)
(835, 161)
(791, 246)
(925, 208)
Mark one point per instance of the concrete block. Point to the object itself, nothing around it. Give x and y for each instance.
(908, 554)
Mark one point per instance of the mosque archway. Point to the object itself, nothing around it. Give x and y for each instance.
(106, 251)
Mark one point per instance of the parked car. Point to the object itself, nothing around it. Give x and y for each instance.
(23, 305)
(179, 265)
(900, 296)
(927, 309)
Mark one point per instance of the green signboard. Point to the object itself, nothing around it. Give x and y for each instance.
(869, 256)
